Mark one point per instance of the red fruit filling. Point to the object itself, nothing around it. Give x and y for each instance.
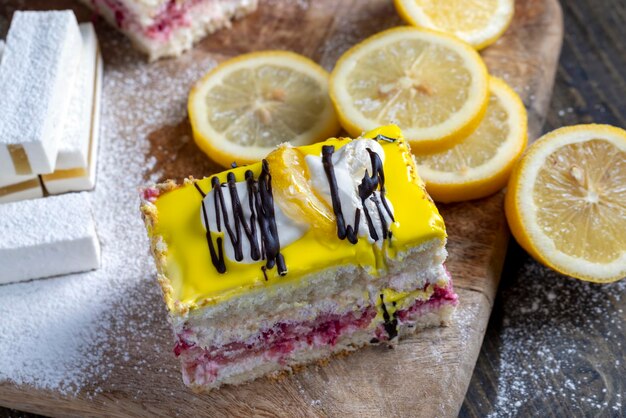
(201, 365)
(150, 194)
(172, 15)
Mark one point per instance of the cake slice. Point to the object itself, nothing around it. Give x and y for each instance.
(166, 28)
(313, 251)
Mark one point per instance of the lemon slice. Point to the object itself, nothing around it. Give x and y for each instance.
(566, 202)
(478, 22)
(480, 165)
(432, 85)
(247, 105)
(293, 191)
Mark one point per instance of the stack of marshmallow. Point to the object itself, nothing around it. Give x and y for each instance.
(50, 82)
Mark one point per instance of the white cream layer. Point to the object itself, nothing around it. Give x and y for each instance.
(351, 162)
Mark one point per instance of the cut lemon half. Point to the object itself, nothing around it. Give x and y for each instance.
(292, 190)
(247, 105)
(478, 22)
(480, 165)
(566, 202)
(432, 85)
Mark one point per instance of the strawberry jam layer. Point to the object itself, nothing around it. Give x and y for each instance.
(201, 365)
(172, 15)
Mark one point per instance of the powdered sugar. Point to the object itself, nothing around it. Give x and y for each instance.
(42, 221)
(64, 333)
(553, 328)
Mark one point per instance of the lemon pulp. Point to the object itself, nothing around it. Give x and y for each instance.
(415, 91)
(473, 151)
(582, 198)
(481, 163)
(434, 86)
(478, 22)
(242, 109)
(459, 15)
(264, 106)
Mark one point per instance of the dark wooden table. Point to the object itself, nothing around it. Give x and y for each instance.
(556, 346)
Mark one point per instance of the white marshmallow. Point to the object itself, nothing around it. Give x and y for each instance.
(78, 146)
(47, 237)
(20, 187)
(74, 140)
(38, 67)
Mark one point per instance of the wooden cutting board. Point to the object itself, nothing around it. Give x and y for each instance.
(426, 375)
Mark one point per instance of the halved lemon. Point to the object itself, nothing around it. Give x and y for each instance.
(432, 85)
(292, 190)
(478, 22)
(566, 202)
(480, 165)
(244, 107)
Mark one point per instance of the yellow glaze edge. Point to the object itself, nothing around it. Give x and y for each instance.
(193, 280)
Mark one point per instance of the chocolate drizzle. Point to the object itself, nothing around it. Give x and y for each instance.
(264, 203)
(343, 231)
(368, 186)
(261, 205)
(216, 259)
(235, 236)
(240, 220)
(391, 325)
(250, 183)
(366, 190)
(380, 137)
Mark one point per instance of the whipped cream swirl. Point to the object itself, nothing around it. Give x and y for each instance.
(352, 164)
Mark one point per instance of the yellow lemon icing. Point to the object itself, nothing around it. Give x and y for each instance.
(195, 280)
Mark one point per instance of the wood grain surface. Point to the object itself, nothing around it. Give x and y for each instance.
(426, 375)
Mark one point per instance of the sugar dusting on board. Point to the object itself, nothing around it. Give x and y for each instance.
(552, 327)
(63, 333)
